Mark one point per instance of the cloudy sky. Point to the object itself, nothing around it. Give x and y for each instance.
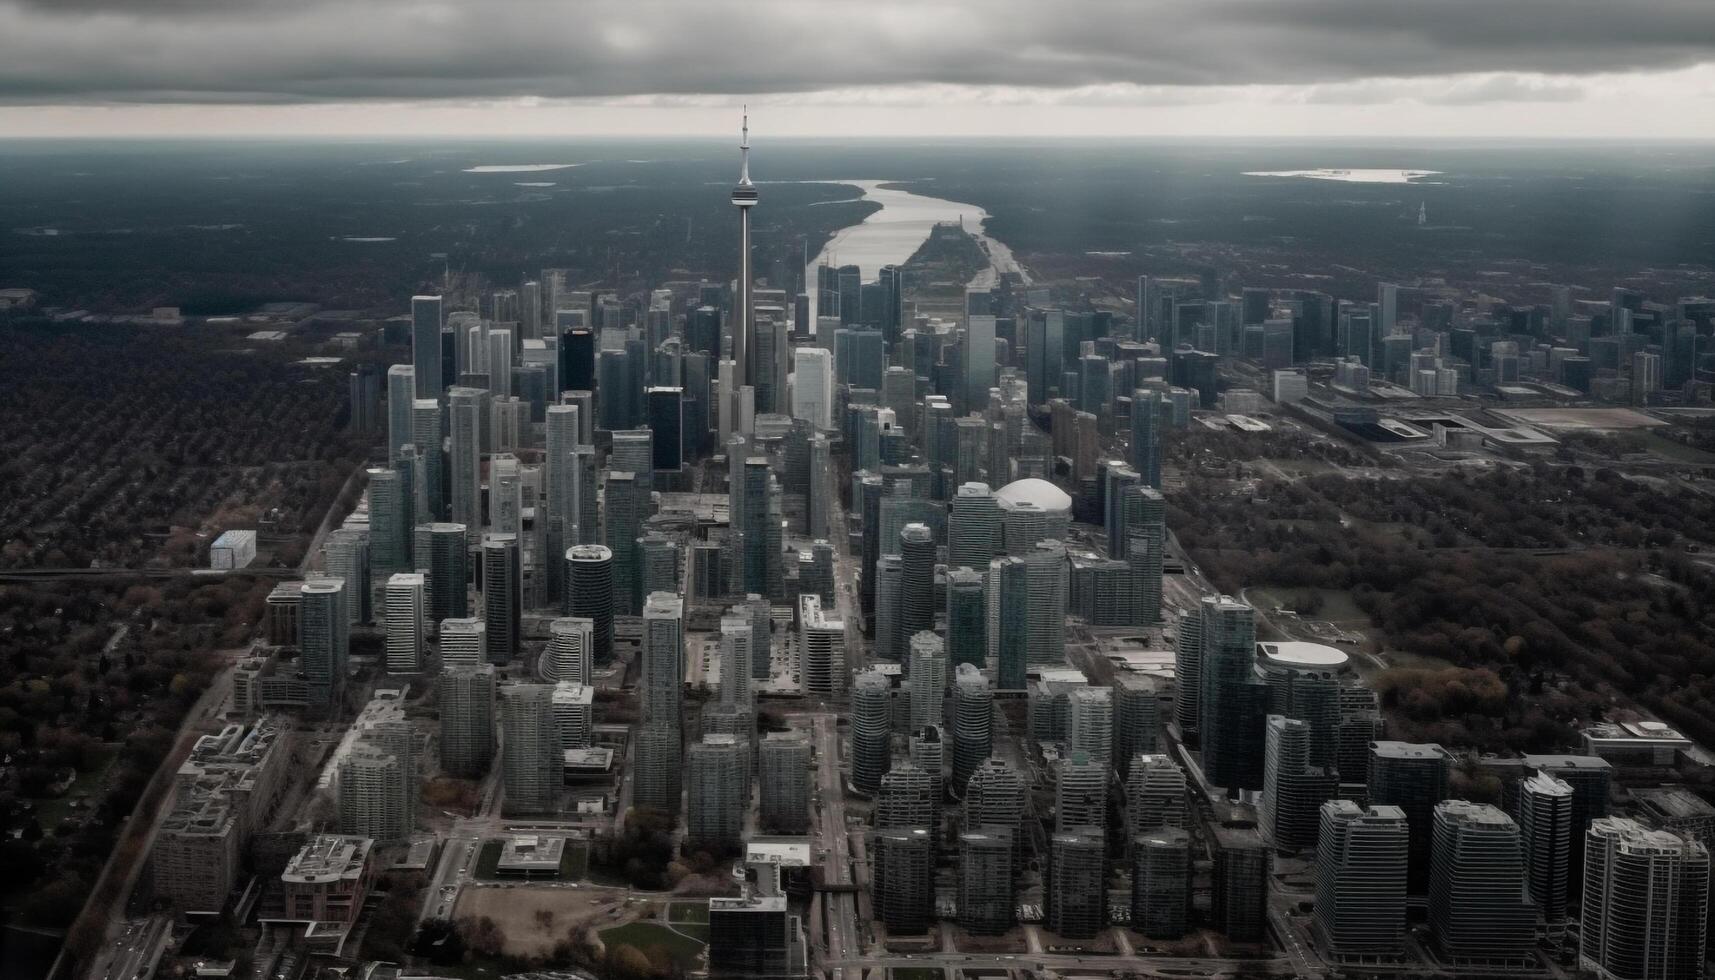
(1384, 68)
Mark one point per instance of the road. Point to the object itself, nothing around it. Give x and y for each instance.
(135, 953)
(843, 935)
(1101, 965)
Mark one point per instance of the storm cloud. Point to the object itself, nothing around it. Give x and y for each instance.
(310, 51)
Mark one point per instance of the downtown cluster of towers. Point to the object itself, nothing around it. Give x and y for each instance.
(536, 454)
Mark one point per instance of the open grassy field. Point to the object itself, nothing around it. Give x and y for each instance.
(516, 912)
(647, 935)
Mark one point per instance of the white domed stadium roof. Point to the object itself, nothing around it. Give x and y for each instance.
(1302, 655)
(1034, 491)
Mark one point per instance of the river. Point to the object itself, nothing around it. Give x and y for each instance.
(893, 234)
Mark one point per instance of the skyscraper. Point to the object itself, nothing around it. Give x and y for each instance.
(464, 642)
(1478, 908)
(1361, 858)
(1008, 616)
(1233, 704)
(1545, 831)
(389, 522)
(1154, 794)
(401, 392)
(813, 386)
(1080, 792)
(589, 593)
(735, 647)
(1293, 790)
(661, 685)
(917, 581)
(995, 797)
(1138, 702)
(967, 618)
(1076, 884)
(406, 605)
(718, 792)
(744, 197)
(1646, 902)
(1161, 883)
(822, 642)
(441, 548)
(467, 720)
(1090, 724)
(1238, 896)
(375, 790)
(627, 508)
(1412, 777)
(905, 879)
(783, 783)
(323, 641)
(872, 713)
(426, 435)
(985, 880)
(907, 798)
(973, 721)
(657, 780)
(571, 650)
(502, 596)
(426, 345)
(927, 673)
(531, 763)
(347, 558)
(1146, 436)
(464, 458)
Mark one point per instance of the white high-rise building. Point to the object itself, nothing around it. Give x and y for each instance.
(813, 386)
(1090, 723)
(928, 680)
(822, 642)
(661, 685)
(571, 650)
(1645, 903)
(736, 652)
(464, 642)
(506, 495)
(574, 715)
(405, 623)
(531, 762)
(500, 363)
(563, 434)
(1080, 793)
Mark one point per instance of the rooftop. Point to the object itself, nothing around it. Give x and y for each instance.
(328, 857)
(1041, 493)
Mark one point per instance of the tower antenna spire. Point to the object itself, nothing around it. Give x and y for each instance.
(744, 149)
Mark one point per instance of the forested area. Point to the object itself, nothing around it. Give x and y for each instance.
(123, 442)
(1558, 595)
(85, 726)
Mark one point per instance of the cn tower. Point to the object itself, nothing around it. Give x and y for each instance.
(744, 198)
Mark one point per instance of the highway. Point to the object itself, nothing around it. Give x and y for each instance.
(844, 940)
(1176, 967)
(134, 954)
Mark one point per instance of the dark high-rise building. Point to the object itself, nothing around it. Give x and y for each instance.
(577, 360)
(667, 422)
(441, 549)
(1238, 899)
(1591, 780)
(1008, 610)
(1161, 883)
(1361, 859)
(985, 880)
(627, 507)
(917, 585)
(589, 593)
(1413, 777)
(1146, 437)
(703, 330)
(1076, 886)
(967, 618)
(1234, 703)
(905, 879)
(502, 596)
(1478, 908)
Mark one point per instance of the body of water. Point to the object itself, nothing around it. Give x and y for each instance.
(893, 234)
(1350, 176)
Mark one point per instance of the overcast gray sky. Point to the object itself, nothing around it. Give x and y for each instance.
(1592, 68)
